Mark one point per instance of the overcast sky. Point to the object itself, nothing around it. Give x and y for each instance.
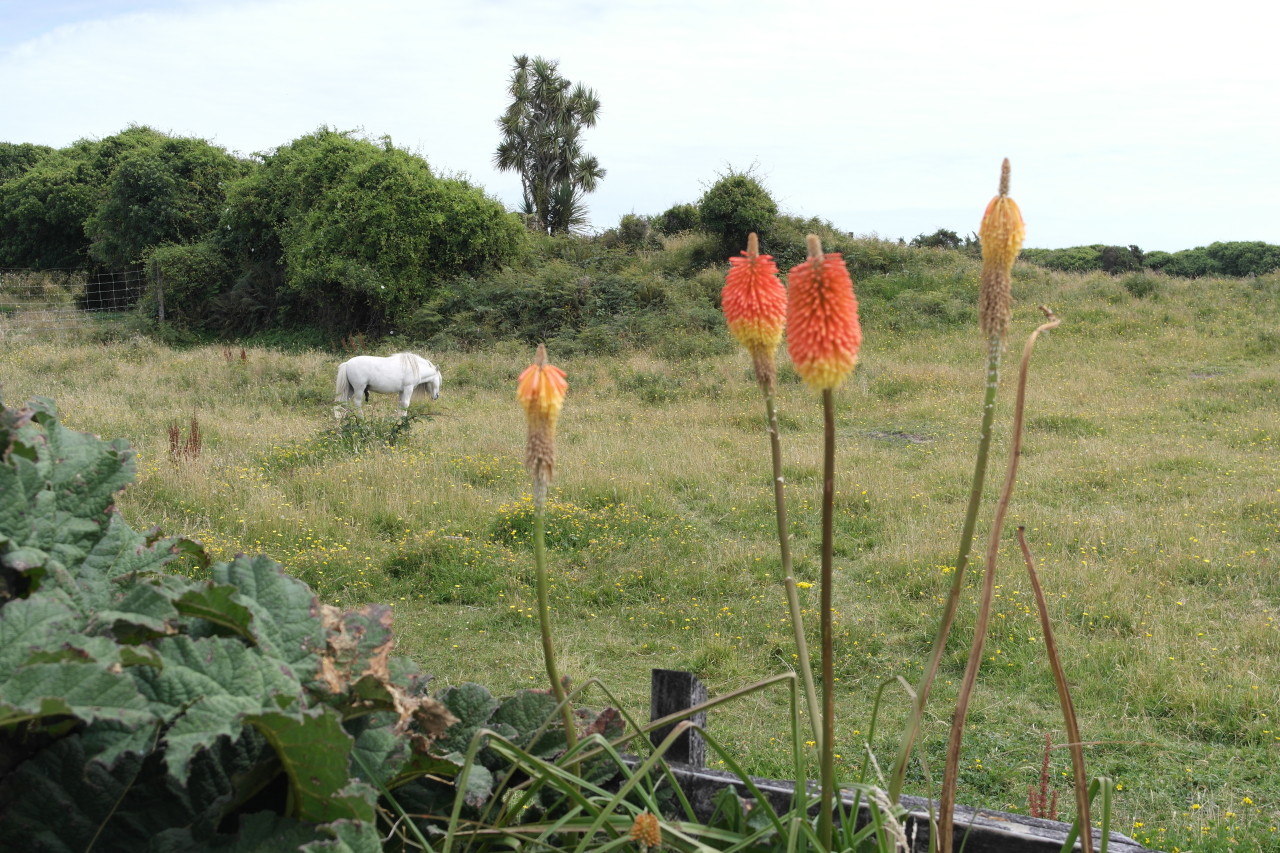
(1127, 121)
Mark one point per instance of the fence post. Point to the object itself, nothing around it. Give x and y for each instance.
(158, 278)
(673, 691)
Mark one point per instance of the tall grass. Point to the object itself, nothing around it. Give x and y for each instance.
(1148, 489)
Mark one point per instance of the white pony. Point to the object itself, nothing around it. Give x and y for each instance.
(404, 373)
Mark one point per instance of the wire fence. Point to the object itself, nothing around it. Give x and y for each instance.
(39, 302)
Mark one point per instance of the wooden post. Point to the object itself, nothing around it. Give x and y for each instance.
(673, 691)
(159, 280)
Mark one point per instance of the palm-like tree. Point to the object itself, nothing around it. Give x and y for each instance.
(541, 139)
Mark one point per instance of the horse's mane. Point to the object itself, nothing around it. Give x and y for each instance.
(414, 364)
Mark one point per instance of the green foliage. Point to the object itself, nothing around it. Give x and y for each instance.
(170, 191)
(940, 239)
(633, 232)
(16, 158)
(190, 277)
(1118, 259)
(541, 140)
(1074, 259)
(51, 213)
(349, 235)
(733, 207)
(1217, 259)
(677, 218)
(1141, 284)
(148, 710)
(600, 302)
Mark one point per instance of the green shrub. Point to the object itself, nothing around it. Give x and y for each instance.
(189, 278)
(940, 239)
(1118, 259)
(736, 205)
(677, 218)
(1141, 284)
(352, 236)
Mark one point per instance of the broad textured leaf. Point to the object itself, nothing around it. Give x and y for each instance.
(29, 624)
(142, 608)
(473, 705)
(106, 740)
(315, 751)
(208, 686)
(286, 613)
(81, 690)
(378, 753)
(58, 800)
(526, 712)
(217, 604)
(119, 551)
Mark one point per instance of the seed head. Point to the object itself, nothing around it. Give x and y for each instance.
(1001, 233)
(646, 831)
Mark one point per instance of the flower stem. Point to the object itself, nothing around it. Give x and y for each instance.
(544, 619)
(828, 768)
(784, 545)
(946, 806)
(995, 348)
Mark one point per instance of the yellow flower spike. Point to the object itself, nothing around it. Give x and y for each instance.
(1001, 234)
(755, 308)
(541, 390)
(822, 315)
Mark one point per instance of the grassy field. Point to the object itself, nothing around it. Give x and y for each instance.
(1149, 489)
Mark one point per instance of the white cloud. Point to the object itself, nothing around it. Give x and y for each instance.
(1126, 122)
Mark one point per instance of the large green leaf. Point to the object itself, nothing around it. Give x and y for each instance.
(31, 624)
(208, 687)
(473, 705)
(286, 621)
(219, 605)
(316, 751)
(58, 484)
(58, 801)
(84, 691)
(527, 712)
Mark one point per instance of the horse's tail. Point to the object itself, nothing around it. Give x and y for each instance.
(343, 390)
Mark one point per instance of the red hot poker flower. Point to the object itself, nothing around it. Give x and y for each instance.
(822, 317)
(541, 390)
(755, 308)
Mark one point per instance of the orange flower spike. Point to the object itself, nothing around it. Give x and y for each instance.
(755, 308)
(646, 831)
(1001, 234)
(541, 390)
(822, 317)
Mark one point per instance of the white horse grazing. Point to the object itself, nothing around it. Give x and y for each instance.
(404, 373)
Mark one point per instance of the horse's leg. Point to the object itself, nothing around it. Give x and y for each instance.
(405, 396)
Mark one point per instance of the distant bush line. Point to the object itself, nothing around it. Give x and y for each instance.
(332, 236)
(1234, 259)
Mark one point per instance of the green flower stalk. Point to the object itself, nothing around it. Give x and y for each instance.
(755, 308)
